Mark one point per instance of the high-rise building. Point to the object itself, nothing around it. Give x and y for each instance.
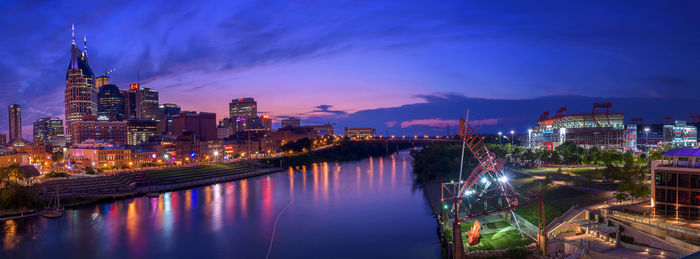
(266, 122)
(15, 115)
(110, 103)
(3, 139)
(243, 108)
(101, 81)
(202, 124)
(140, 102)
(140, 130)
(675, 184)
(80, 94)
(47, 129)
(291, 122)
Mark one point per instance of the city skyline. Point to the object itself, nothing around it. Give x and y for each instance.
(412, 54)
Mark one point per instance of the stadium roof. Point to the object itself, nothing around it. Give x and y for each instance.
(694, 152)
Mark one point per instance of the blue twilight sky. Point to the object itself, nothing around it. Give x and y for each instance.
(338, 60)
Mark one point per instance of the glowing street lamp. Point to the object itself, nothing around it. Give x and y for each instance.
(529, 138)
(499, 137)
(511, 137)
(646, 136)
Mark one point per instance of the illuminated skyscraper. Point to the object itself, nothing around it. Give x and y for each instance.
(100, 81)
(243, 108)
(110, 103)
(80, 94)
(15, 116)
(47, 129)
(141, 103)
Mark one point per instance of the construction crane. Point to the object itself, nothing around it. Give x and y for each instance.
(109, 72)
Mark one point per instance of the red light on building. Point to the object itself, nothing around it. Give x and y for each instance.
(265, 116)
(134, 86)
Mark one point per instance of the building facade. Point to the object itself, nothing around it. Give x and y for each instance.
(47, 129)
(167, 111)
(291, 122)
(360, 132)
(680, 135)
(675, 185)
(140, 130)
(80, 94)
(140, 102)
(202, 124)
(112, 132)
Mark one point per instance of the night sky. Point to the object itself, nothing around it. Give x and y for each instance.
(342, 61)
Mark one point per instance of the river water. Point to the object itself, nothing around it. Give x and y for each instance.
(361, 209)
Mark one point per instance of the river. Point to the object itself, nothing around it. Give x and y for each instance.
(361, 209)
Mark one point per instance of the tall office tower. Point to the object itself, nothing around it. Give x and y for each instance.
(266, 122)
(3, 139)
(243, 108)
(140, 102)
(101, 81)
(202, 124)
(47, 129)
(80, 94)
(149, 103)
(110, 103)
(15, 115)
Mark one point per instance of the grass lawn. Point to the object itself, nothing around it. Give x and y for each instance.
(499, 224)
(500, 240)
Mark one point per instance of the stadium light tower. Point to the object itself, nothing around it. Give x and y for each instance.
(646, 137)
(529, 138)
(499, 137)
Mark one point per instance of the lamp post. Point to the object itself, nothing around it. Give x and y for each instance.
(646, 137)
(511, 137)
(499, 137)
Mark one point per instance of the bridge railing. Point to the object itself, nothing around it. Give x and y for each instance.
(652, 222)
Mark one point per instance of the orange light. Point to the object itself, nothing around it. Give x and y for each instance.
(134, 86)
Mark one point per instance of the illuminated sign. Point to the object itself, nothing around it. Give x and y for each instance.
(134, 86)
(549, 122)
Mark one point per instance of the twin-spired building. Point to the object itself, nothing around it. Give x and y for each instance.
(80, 93)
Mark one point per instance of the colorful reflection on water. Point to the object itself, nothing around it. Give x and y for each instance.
(351, 209)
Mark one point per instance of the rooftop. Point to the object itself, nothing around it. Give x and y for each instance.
(694, 152)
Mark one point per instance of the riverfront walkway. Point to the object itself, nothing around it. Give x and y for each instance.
(136, 183)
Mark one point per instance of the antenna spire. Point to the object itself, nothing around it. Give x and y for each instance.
(85, 45)
(72, 28)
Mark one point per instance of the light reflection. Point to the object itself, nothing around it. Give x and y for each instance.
(370, 171)
(217, 210)
(11, 239)
(244, 197)
(381, 171)
(393, 171)
(168, 216)
(315, 175)
(358, 179)
(132, 221)
(325, 180)
(291, 183)
(231, 200)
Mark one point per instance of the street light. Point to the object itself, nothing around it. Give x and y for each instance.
(511, 137)
(499, 137)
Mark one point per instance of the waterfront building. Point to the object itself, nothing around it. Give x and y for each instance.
(80, 93)
(15, 124)
(603, 130)
(82, 156)
(289, 134)
(110, 102)
(202, 124)
(675, 185)
(140, 130)
(243, 108)
(90, 128)
(47, 129)
(14, 158)
(291, 122)
(360, 132)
